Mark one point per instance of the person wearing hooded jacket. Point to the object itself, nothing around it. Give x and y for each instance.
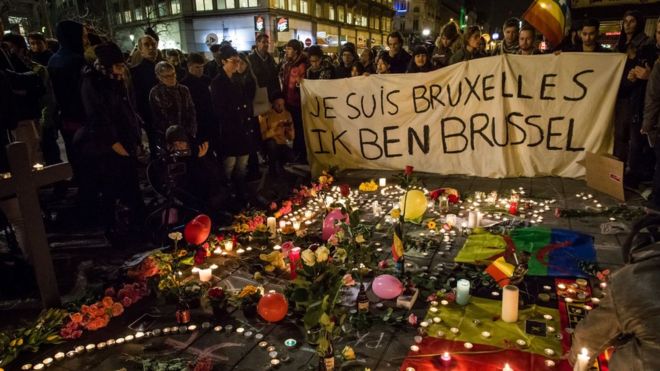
(347, 58)
(64, 69)
(110, 140)
(628, 316)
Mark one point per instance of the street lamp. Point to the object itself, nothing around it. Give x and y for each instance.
(496, 36)
(426, 32)
(132, 37)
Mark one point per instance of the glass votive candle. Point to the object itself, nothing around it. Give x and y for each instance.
(414, 348)
(59, 356)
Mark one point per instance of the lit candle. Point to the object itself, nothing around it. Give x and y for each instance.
(277, 247)
(446, 358)
(414, 348)
(271, 223)
(296, 225)
(582, 362)
(472, 219)
(229, 245)
(450, 219)
(294, 256)
(282, 224)
(240, 251)
(382, 182)
(205, 275)
(507, 367)
(510, 304)
(38, 166)
(462, 292)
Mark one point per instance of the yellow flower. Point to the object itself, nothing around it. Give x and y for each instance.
(262, 228)
(269, 268)
(340, 255)
(175, 236)
(323, 179)
(257, 276)
(369, 186)
(360, 239)
(348, 353)
(308, 257)
(245, 227)
(431, 224)
(248, 290)
(395, 213)
(322, 254)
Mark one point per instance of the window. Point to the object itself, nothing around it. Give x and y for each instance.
(416, 9)
(149, 12)
(138, 14)
(331, 13)
(203, 5)
(127, 16)
(340, 13)
(116, 12)
(226, 4)
(319, 10)
(248, 3)
(415, 24)
(293, 5)
(176, 6)
(349, 18)
(304, 7)
(162, 8)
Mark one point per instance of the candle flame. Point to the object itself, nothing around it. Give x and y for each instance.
(584, 352)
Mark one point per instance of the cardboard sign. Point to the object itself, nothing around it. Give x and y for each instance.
(605, 174)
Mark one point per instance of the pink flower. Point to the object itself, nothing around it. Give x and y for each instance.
(557, 212)
(333, 240)
(286, 247)
(126, 302)
(382, 264)
(432, 297)
(273, 206)
(348, 280)
(412, 319)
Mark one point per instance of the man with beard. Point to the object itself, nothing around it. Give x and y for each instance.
(264, 67)
(510, 43)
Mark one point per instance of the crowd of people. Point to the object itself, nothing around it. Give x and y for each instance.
(224, 117)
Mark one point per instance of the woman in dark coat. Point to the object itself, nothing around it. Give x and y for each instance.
(232, 111)
(109, 142)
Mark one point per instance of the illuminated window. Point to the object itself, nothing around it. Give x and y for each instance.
(138, 14)
(331, 13)
(340, 13)
(349, 18)
(293, 5)
(203, 5)
(319, 10)
(281, 4)
(364, 21)
(304, 7)
(226, 4)
(248, 3)
(176, 6)
(162, 8)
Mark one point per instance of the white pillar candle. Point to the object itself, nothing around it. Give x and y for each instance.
(229, 245)
(510, 304)
(205, 275)
(382, 182)
(582, 362)
(450, 219)
(480, 216)
(308, 214)
(271, 223)
(462, 292)
(282, 224)
(296, 225)
(472, 219)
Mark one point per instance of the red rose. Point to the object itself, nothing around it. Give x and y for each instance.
(408, 171)
(452, 199)
(216, 293)
(345, 190)
(200, 256)
(435, 194)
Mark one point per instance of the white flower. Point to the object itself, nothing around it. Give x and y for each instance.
(322, 254)
(175, 236)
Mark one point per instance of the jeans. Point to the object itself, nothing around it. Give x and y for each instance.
(235, 167)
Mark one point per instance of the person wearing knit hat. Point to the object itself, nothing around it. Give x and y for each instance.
(420, 61)
(109, 54)
(347, 58)
(446, 45)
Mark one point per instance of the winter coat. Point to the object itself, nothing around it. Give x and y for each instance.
(292, 72)
(465, 55)
(652, 102)
(42, 58)
(400, 62)
(143, 77)
(265, 70)
(249, 90)
(325, 72)
(111, 117)
(173, 106)
(628, 317)
(201, 97)
(232, 113)
(64, 68)
(342, 71)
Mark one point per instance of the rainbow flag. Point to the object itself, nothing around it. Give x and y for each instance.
(550, 17)
(554, 252)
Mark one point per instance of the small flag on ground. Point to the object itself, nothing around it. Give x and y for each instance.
(501, 271)
(550, 17)
(397, 243)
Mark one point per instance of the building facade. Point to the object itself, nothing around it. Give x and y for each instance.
(422, 18)
(193, 25)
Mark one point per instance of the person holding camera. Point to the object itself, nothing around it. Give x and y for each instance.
(109, 141)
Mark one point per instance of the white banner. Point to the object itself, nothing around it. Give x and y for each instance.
(504, 116)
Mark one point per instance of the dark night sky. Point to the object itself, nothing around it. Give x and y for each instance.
(496, 12)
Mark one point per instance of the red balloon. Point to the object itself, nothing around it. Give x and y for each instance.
(197, 230)
(273, 307)
(204, 220)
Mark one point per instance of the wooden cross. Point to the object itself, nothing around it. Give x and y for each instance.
(25, 182)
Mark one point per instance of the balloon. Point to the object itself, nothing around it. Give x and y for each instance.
(329, 227)
(197, 230)
(273, 307)
(414, 204)
(387, 286)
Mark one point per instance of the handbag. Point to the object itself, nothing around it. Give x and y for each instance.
(261, 103)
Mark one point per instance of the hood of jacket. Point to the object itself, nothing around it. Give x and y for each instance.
(69, 34)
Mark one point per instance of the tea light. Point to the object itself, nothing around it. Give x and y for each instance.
(38, 366)
(271, 349)
(101, 345)
(282, 224)
(274, 362)
(47, 361)
(140, 334)
(129, 338)
(437, 319)
(217, 328)
(119, 341)
(588, 307)
(568, 300)
(192, 327)
(259, 336)
(247, 334)
(603, 285)
(468, 345)
(38, 166)
(59, 356)
(111, 342)
(549, 363)
(272, 354)
(444, 302)
(414, 348)
(240, 330)
(308, 214)
(547, 317)
(424, 324)
(70, 354)
(440, 333)
(595, 300)
(434, 303)
(27, 366)
(446, 358)
(263, 344)
(561, 286)
(90, 347)
(549, 352)
(433, 309)
(521, 342)
(277, 247)
(382, 182)
(547, 287)
(485, 334)
(550, 329)
(454, 330)
(290, 343)
(418, 339)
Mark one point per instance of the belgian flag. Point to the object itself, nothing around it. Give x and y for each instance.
(397, 243)
(550, 17)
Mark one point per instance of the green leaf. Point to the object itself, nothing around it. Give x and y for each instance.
(187, 261)
(313, 314)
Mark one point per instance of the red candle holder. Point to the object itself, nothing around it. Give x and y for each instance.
(446, 359)
(513, 208)
(294, 257)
